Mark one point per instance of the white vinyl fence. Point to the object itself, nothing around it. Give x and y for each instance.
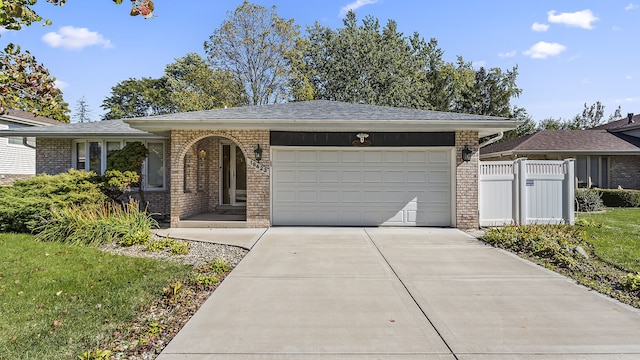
(526, 192)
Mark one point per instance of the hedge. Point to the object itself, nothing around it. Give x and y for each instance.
(620, 198)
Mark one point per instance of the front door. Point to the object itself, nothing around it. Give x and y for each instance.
(233, 175)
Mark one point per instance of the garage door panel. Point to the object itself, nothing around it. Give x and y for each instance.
(367, 187)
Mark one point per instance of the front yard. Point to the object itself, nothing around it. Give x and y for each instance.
(62, 301)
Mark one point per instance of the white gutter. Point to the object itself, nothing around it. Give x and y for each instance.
(492, 140)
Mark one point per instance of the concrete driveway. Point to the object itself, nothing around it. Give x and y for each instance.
(388, 293)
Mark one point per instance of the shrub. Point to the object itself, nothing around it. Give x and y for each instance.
(25, 205)
(88, 224)
(219, 266)
(588, 200)
(620, 198)
(556, 244)
(631, 282)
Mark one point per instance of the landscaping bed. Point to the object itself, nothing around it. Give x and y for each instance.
(598, 252)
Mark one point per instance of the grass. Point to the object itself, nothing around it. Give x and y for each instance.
(59, 300)
(617, 241)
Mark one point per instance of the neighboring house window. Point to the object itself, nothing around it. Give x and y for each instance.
(98, 152)
(18, 141)
(592, 171)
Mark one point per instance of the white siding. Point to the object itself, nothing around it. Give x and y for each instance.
(16, 159)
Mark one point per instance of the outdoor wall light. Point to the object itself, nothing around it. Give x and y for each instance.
(258, 152)
(466, 153)
(202, 154)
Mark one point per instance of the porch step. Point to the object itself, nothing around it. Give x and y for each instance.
(231, 210)
(211, 224)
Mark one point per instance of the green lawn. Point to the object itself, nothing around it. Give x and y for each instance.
(57, 300)
(618, 241)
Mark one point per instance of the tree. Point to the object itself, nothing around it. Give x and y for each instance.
(138, 97)
(591, 116)
(83, 112)
(373, 65)
(27, 85)
(188, 84)
(193, 85)
(527, 127)
(253, 43)
(17, 13)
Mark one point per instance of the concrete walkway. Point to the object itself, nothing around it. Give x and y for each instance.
(353, 293)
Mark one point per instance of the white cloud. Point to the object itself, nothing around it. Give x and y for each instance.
(61, 84)
(508, 54)
(628, 100)
(539, 27)
(70, 37)
(616, 28)
(543, 49)
(629, 77)
(631, 6)
(355, 5)
(582, 19)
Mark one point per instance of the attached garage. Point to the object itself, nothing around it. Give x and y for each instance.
(362, 186)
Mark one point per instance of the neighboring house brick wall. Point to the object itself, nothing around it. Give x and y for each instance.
(53, 156)
(625, 172)
(185, 144)
(467, 182)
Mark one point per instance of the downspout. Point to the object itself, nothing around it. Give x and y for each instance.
(492, 140)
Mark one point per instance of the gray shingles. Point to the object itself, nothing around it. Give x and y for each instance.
(108, 128)
(318, 110)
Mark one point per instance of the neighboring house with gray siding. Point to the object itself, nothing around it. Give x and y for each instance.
(607, 156)
(321, 163)
(17, 153)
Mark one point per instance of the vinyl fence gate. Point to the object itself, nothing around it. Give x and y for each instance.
(526, 192)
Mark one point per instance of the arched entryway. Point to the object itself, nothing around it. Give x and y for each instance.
(214, 183)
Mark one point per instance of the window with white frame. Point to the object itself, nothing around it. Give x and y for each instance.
(592, 171)
(92, 155)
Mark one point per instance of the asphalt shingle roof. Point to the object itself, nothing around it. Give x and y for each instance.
(19, 115)
(567, 141)
(107, 128)
(318, 110)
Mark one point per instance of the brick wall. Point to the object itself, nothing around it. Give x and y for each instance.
(625, 171)
(185, 144)
(467, 182)
(9, 179)
(53, 156)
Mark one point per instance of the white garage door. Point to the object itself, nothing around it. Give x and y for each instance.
(361, 186)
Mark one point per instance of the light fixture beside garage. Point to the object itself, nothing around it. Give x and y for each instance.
(202, 154)
(466, 153)
(257, 151)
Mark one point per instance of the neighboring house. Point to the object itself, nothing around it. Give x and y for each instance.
(607, 156)
(17, 154)
(300, 163)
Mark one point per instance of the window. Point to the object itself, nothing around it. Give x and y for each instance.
(18, 141)
(155, 165)
(98, 152)
(592, 171)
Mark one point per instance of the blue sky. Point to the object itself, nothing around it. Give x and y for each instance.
(568, 52)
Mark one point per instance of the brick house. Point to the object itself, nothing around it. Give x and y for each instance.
(18, 154)
(318, 162)
(607, 156)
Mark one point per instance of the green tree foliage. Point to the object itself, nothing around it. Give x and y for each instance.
(124, 171)
(27, 85)
(138, 97)
(193, 85)
(188, 84)
(17, 13)
(527, 127)
(373, 65)
(253, 43)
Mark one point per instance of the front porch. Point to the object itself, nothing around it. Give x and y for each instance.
(212, 185)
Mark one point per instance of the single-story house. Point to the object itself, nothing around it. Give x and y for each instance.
(300, 163)
(607, 156)
(18, 154)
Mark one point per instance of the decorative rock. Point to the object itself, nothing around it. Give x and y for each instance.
(581, 251)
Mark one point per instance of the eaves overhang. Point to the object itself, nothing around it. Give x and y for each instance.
(484, 127)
